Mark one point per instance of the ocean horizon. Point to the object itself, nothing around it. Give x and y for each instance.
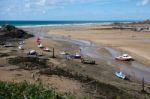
(58, 23)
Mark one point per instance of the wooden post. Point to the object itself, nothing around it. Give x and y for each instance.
(53, 53)
(143, 90)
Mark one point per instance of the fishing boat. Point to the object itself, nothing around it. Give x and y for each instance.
(120, 75)
(32, 52)
(20, 47)
(9, 45)
(46, 49)
(124, 57)
(77, 55)
(40, 46)
(64, 53)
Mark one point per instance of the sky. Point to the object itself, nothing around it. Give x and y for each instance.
(74, 9)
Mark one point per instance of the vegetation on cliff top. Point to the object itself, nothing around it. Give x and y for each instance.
(13, 32)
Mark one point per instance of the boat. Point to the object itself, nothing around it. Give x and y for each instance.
(46, 49)
(32, 52)
(124, 57)
(20, 47)
(64, 53)
(21, 42)
(9, 45)
(76, 55)
(40, 46)
(120, 75)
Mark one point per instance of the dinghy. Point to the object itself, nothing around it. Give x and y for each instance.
(20, 47)
(120, 75)
(46, 49)
(40, 46)
(124, 57)
(76, 55)
(32, 52)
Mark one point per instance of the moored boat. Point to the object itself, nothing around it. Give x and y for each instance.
(120, 75)
(46, 49)
(40, 46)
(124, 57)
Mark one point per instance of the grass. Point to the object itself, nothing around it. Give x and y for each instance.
(103, 90)
(28, 63)
(24, 90)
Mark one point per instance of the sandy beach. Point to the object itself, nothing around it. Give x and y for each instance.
(134, 42)
(114, 41)
(101, 43)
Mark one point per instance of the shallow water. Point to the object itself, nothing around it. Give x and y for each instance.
(133, 69)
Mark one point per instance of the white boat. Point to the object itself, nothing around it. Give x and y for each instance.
(76, 55)
(40, 46)
(21, 42)
(20, 47)
(64, 53)
(9, 45)
(32, 52)
(124, 57)
(120, 75)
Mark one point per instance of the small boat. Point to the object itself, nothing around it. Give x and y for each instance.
(32, 52)
(20, 47)
(21, 42)
(64, 53)
(124, 57)
(40, 46)
(46, 49)
(120, 75)
(9, 45)
(76, 55)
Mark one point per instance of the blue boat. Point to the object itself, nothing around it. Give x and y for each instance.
(120, 75)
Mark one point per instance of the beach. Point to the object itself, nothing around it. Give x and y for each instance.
(114, 41)
(133, 42)
(101, 43)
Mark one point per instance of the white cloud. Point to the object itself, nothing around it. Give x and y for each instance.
(143, 2)
(41, 2)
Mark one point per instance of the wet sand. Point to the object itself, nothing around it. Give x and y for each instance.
(115, 43)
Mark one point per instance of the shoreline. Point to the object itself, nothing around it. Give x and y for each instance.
(121, 40)
(61, 23)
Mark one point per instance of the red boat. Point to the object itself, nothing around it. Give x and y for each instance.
(46, 49)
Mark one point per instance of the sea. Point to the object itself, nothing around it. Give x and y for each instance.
(58, 23)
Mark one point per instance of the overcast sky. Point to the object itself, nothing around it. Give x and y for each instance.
(74, 9)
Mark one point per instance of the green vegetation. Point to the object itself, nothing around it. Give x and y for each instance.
(12, 31)
(28, 63)
(24, 90)
(103, 90)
